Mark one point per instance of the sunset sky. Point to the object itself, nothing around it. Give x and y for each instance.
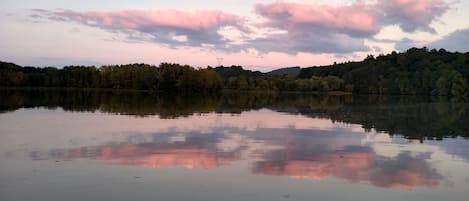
(257, 34)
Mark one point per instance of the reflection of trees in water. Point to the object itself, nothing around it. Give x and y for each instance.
(413, 117)
(115, 102)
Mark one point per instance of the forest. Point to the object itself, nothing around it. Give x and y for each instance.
(165, 78)
(418, 71)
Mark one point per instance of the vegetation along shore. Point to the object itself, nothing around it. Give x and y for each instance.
(418, 71)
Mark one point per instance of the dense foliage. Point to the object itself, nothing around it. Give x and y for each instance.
(237, 78)
(166, 77)
(417, 71)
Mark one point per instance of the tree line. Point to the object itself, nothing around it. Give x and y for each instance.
(416, 71)
(237, 78)
(166, 77)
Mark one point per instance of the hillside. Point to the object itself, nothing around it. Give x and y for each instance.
(416, 71)
(291, 71)
(236, 71)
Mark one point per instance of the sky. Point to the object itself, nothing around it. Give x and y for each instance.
(257, 34)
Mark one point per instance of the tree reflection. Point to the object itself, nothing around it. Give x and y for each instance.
(413, 117)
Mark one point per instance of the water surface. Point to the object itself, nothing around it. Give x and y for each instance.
(90, 145)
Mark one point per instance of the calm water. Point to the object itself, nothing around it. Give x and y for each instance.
(136, 146)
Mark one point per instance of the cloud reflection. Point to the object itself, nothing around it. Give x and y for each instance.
(353, 164)
(299, 154)
(148, 156)
(197, 151)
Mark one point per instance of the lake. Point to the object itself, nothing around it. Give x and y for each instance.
(92, 145)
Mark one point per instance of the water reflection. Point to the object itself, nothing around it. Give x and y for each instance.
(297, 153)
(354, 164)
(147, 156)
(231, 147)
(195, 151)
(413, 117)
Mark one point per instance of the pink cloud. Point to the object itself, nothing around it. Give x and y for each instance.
(412, 15)
(307, 28)
(162, 25)
(340, 29)
(141, 19)
(358, 18)
(317, 28)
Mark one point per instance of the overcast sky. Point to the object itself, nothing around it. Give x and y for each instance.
(258, 34)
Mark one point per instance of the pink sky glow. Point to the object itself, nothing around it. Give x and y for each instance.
(260, 35)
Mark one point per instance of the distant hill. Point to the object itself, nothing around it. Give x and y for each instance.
(8, 65)
(290, 71)
(236, 71)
